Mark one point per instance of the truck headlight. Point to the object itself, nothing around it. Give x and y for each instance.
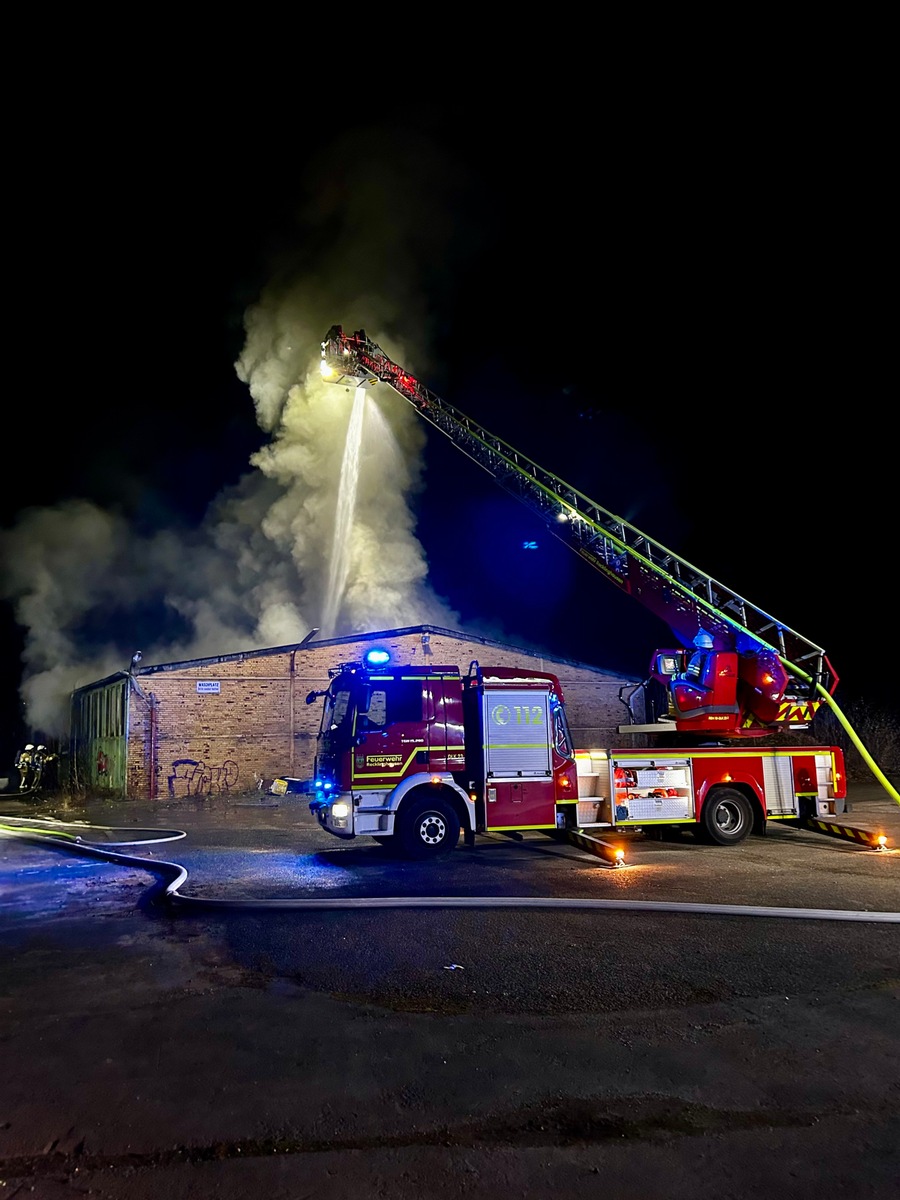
(340, 810)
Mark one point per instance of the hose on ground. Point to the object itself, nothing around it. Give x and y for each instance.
(76, 838)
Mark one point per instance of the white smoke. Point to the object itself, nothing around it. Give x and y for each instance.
(88, 589)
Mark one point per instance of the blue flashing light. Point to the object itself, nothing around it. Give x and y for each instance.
(377, 657)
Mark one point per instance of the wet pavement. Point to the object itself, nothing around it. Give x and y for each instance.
(439, 1051)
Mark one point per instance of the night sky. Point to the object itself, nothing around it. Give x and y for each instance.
(682, 319)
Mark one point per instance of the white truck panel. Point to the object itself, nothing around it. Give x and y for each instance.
(516, 733)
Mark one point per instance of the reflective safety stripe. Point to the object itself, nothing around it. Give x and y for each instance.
(847, 832)
(791, 711)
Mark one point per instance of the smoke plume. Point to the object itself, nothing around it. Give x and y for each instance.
(89, 586)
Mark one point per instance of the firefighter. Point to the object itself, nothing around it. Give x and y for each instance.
(25, 767)
(46, 764)
(38, 762)
(694, 669)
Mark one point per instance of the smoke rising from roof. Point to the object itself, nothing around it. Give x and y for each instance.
(89, 585)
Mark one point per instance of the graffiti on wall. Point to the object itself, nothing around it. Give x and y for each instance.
(190, 777)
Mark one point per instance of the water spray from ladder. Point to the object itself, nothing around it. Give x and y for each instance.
(339, 565)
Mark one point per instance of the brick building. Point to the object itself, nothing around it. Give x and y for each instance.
(222, 725)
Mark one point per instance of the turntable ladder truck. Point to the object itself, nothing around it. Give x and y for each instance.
(739, 673)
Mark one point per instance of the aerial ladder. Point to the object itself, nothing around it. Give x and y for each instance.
(738, 672)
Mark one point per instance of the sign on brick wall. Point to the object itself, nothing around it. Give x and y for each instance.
(208, 685)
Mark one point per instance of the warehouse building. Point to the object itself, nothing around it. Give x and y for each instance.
(227, 725)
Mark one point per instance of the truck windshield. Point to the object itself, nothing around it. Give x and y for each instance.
(337, 706)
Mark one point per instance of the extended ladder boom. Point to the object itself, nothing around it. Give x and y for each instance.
(686, 598)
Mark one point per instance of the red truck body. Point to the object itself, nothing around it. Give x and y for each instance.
(418, 755)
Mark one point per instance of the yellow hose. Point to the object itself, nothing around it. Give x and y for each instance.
(867, 757)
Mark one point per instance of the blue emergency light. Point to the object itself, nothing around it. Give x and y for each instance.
(377, 657)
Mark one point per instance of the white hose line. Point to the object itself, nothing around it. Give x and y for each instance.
(178, 876)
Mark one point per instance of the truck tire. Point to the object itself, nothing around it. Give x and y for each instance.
(428, 828)
(726, 818)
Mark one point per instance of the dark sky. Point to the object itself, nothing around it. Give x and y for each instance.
(680, 315)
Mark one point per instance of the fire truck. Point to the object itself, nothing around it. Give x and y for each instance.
(415, 756)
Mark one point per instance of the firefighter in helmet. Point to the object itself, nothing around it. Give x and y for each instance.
(45, 767)
(25, 767)
(703, 643)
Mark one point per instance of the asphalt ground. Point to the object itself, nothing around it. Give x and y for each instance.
(264, 1049)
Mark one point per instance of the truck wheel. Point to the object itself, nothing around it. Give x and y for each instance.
(726, 818)
(429, 828)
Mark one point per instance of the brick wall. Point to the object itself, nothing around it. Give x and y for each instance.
(249, 720)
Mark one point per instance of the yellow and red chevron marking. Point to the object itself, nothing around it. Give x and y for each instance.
(863, 837)
(794, 713)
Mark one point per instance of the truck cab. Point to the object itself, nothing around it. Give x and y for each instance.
(420, 754)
